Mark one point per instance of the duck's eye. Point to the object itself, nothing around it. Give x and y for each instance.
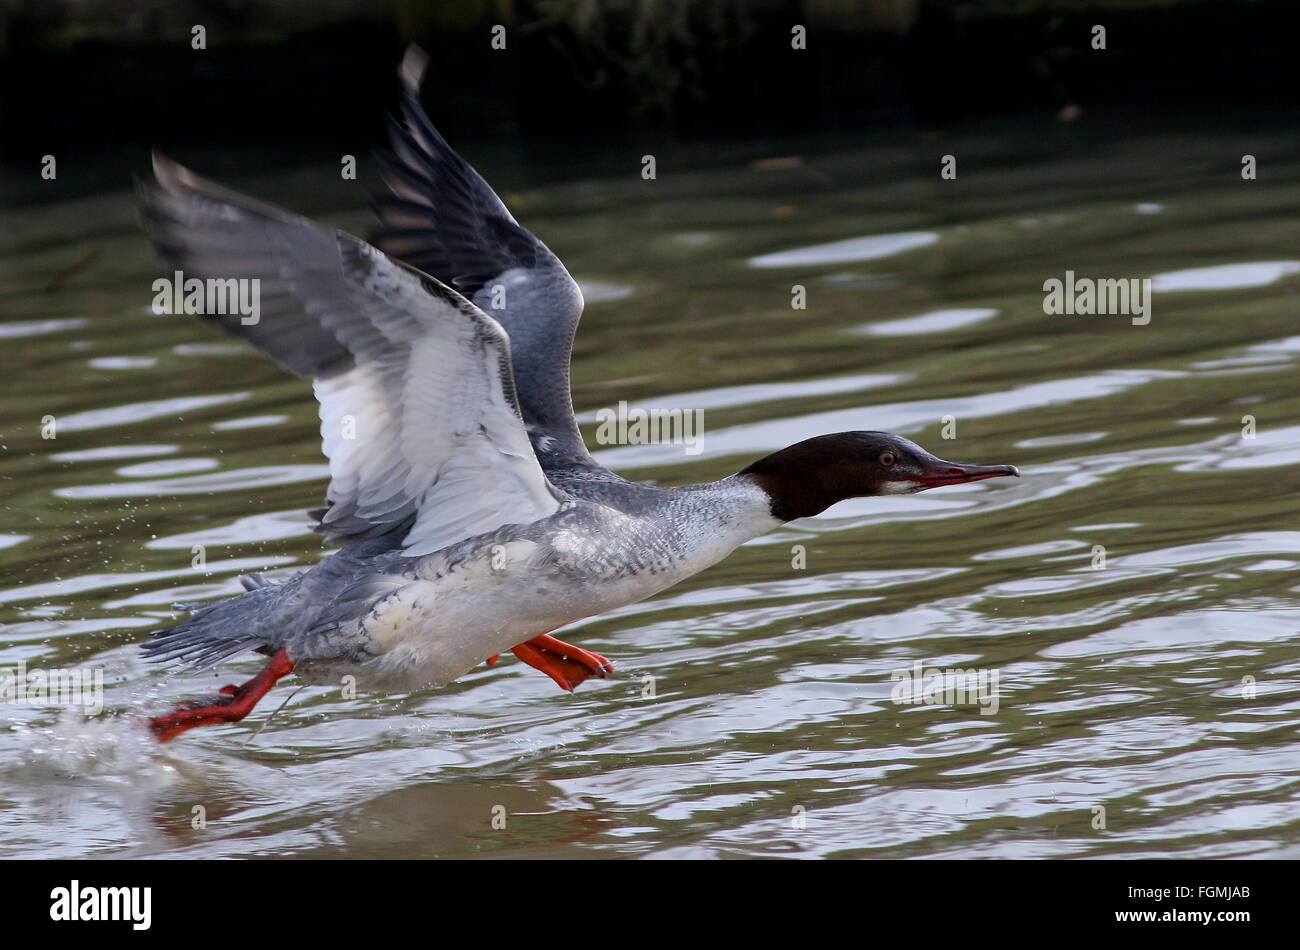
(887, 459)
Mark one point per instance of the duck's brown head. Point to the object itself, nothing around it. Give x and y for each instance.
(810, 476)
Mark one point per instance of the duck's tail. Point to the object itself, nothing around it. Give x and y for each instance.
(213, 633)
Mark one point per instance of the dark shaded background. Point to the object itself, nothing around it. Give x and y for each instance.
(90, 78)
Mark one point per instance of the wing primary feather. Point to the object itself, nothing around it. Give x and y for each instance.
(415, 382)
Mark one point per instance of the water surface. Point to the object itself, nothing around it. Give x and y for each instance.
(1136, 591)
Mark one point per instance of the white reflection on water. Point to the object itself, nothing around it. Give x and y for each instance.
(933, 322)
(729, 396)
(113, 452)
(905, 417)
(142, 411)
(243, 478)
(123, 362)
(20, 328)
(88, 582)
(869, 248)
(166, 467)
(773, 680)
(271, 526)
(1225, 276)
(248, 422)
(602, 291)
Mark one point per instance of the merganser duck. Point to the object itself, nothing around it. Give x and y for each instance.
(471, 518)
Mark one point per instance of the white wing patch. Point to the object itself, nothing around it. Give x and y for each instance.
(434, 425)
(419, 414)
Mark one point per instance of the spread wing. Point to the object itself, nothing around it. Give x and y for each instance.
(419, 416)
(444, 219)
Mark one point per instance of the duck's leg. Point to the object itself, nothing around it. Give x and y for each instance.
(563, 662)
(234, 703)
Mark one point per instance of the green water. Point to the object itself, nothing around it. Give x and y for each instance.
(1135, 592)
